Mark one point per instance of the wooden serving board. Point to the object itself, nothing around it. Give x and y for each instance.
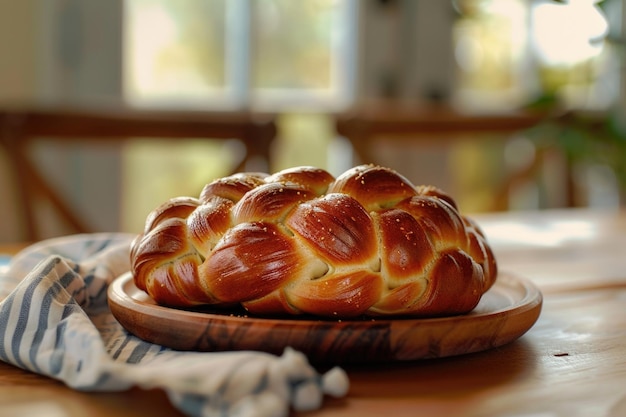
(505, 312)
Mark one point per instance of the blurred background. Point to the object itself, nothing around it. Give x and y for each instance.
(510, 104)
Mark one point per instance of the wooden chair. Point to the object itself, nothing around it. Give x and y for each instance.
(429, 125)
(20, 127)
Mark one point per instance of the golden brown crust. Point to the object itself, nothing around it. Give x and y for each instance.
(301, 242)
(337, 229)
(374, 187)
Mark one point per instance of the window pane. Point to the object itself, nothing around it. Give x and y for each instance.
(174, 50)
(302, 51)
(491, 52)
(511, 51)
(292, 44)
(239, 53)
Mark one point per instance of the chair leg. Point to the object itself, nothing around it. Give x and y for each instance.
(30, 184)
(25, 203)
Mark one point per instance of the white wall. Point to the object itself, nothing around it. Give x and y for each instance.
(17, 82)
(17, 40)
(64, 53)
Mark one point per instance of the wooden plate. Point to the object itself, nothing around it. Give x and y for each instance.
(505, 312)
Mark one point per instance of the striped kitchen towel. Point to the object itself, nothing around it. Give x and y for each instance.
(55, 321)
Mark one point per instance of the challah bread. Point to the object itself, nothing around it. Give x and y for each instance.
(367, 243)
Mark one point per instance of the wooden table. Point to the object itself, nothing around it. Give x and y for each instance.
(571, 363)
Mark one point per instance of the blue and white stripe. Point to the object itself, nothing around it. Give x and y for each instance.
(55, 321)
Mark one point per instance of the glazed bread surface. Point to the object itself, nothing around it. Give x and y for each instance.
(367, 243)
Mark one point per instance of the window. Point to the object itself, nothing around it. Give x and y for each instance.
(509, 52)
(264, 54)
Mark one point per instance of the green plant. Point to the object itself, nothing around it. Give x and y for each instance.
(586, 138)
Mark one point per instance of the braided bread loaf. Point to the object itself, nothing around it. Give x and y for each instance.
(300, 241)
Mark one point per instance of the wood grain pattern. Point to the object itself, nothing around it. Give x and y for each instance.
(505, 313)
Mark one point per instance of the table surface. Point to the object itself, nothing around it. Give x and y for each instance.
(570, 363)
